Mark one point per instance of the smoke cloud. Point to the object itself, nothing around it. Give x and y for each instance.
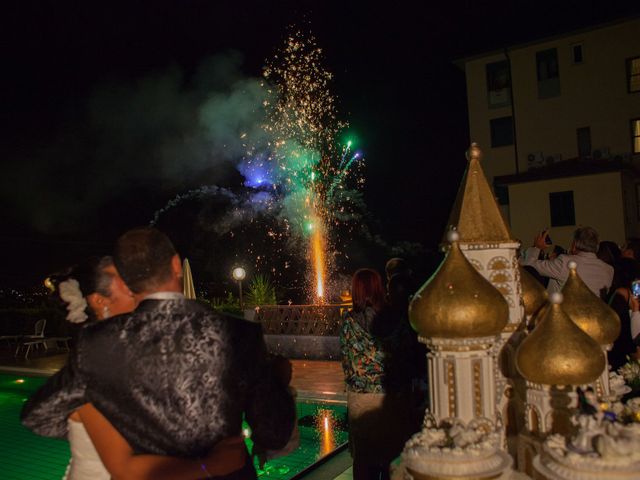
(164, 133)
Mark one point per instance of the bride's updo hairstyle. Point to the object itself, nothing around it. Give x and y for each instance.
(92, 277)
(143, 258)
(76, 284)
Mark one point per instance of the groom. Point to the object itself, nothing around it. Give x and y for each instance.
(173, 377)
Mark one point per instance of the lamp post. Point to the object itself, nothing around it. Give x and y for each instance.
(238, 274)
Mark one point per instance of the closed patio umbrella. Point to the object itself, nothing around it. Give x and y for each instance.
(187, 281)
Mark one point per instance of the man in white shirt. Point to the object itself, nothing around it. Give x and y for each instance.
(595, 273)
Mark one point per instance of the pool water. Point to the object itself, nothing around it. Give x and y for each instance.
(24, 455)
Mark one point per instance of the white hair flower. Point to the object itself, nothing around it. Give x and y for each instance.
(76, 303)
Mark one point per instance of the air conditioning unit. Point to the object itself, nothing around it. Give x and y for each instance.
(535, 160)
(601, 153)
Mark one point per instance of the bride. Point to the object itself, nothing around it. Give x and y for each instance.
(95, 292)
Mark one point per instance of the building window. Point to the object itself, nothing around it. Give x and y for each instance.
(635, 135)
(498, 84)
(548, 73)
(576, 53)
(633, 74)
(563, 212)
(584, 142)
(501, 131)
(502, 194)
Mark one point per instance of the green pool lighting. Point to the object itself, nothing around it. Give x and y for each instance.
(26, 455)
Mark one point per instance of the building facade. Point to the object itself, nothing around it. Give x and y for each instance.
(573, 97)
(607, 200)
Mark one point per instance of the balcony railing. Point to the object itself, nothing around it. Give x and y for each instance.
(319, 320)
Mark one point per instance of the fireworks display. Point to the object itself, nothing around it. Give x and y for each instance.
(301, 174)
(304, 127)
(306, 172)
(306, 156)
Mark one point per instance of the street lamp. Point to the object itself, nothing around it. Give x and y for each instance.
(238, 274)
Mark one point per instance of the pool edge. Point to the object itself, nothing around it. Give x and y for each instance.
(27, 371)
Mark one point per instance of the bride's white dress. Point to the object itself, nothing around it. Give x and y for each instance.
(85, 463)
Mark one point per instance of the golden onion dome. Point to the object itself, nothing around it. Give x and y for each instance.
(457, 301)
(534, 295)
(558, 352)
(588, 311)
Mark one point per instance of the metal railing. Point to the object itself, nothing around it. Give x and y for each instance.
(320, 320)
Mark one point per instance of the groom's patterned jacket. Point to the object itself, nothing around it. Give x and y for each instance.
(174, 377)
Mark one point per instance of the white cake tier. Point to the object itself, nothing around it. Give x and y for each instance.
(456, 464)
(555, 465)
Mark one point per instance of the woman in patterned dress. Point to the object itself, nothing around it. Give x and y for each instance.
(375, 346)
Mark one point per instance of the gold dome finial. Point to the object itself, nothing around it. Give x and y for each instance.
(569, 356)
(452, 235)
(475, 210)
(588, 311)
(457, 301)
(474, 152)
(534, 294)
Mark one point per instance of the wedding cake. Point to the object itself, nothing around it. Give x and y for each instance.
(601, 450)
(453, 450)
(505, 362)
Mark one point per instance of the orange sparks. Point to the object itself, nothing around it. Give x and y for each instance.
(327, 437)
(317, 256)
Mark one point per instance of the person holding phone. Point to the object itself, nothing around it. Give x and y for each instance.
(625, 301)
(595, 273)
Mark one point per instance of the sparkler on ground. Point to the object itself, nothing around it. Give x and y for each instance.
(318, 259)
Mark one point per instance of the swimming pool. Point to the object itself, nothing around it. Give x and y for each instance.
(25, 455)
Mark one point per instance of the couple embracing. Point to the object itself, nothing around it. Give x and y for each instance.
(161, 391)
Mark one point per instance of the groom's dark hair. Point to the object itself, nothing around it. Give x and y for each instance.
(143, 258)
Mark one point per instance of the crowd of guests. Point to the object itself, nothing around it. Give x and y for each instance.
(161, 388)
(608, 270)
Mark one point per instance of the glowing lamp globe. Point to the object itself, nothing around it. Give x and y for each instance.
(239, 273)
(49, 284)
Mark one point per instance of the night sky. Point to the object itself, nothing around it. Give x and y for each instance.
(74, 175)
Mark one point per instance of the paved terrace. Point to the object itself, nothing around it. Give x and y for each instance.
(312, 378)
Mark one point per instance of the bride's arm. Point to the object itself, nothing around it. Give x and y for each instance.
(121, 462)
